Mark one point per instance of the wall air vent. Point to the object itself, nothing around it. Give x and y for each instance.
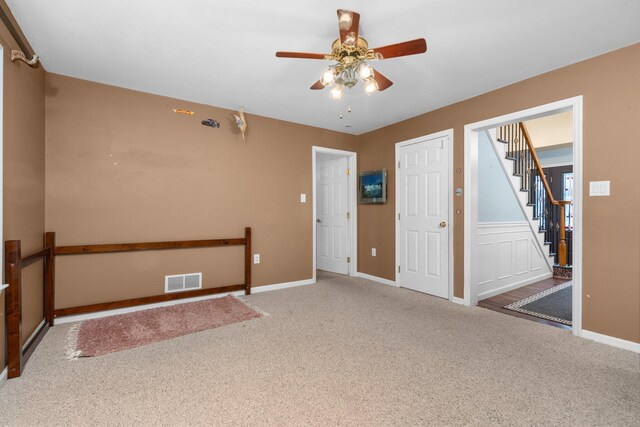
(182, 282)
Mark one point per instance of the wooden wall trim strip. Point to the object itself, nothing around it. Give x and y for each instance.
(30, 348)
(14, 263)
(28, 260)
(146, 246)
(91, 308)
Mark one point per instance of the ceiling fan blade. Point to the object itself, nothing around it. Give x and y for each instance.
(383, 82)
(303, 55)
(317, 85)
(412, 47)
(348, 23)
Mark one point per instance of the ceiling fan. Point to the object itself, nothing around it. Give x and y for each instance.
(351, 53)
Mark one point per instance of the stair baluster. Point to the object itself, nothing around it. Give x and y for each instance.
(550, 213)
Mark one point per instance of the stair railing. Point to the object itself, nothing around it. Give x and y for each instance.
(520, 149)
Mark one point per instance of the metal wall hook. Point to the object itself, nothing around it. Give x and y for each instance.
(19, 55)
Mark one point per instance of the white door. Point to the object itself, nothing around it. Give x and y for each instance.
(332, 226)
(423, 212)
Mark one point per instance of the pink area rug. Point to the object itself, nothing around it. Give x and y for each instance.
(124, 331)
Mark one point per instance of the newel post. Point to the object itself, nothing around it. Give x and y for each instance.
(562, 244)
(13, 301)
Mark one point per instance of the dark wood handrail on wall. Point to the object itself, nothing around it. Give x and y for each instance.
(515, 135)
(14, 263)
(154, 246)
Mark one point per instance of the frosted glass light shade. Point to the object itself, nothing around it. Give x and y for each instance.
(370, 86)
(328, 76)
(337, 91)
(365, 71)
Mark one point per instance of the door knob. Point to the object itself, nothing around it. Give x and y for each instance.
(318, 220)
(443, 224)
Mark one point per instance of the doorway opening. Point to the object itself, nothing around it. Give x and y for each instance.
(524, 248)
(334, 211)
(527, 263)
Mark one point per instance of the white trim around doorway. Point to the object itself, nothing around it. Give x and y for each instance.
(471, 192)
(352, 159)
(444, 134)
(3, 286)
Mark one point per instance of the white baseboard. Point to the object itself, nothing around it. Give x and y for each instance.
(613, 341)
(106, 313)
(4, 376)
(513, 286)
(278, 286)
(376, 279)
(457, 300)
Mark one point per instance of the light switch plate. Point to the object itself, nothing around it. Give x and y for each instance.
(599, 188)
(256, 258)
(303, 198)
(373, 251)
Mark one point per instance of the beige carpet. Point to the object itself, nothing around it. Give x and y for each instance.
(342, 352)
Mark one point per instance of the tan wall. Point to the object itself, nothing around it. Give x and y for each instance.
(23, 189)
(122, 167)
(609, 84)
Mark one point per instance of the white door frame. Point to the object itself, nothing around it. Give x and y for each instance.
(449, 134)
(471, 193)
(352, 161)
(2, 285)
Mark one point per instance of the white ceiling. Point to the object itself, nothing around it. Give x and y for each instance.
(548, 131)
(223, 53)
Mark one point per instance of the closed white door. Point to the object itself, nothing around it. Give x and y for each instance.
(332, 226)
(423, 212)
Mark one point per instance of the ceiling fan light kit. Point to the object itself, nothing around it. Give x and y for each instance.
(351, 53)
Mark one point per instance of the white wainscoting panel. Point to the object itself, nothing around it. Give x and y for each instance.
(508, 257)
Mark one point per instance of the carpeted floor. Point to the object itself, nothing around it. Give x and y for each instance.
(345, 351)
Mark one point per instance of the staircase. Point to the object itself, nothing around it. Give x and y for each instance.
(554, 217)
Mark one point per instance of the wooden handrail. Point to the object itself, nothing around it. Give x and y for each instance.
(92, 308)
(154, 246)
(28, 260)
(146, 246)
(14, 263)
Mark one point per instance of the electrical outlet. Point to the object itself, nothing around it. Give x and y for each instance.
(373, 251)
(256, 258)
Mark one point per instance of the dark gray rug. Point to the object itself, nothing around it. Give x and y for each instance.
(552, 304)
